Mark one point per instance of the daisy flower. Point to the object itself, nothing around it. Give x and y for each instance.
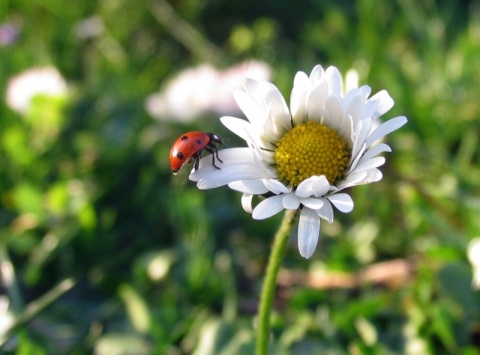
(306, 155)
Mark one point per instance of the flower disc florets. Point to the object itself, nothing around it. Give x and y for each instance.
(310, 149)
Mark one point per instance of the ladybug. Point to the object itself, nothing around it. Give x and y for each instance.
(190, 146)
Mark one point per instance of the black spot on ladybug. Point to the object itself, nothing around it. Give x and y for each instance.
(199, 141)
(180, 155)
(184, 138)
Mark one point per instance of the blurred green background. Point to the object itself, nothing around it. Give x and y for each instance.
(103, 250)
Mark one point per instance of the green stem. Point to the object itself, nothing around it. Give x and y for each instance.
(185, 33)
(37, 306)
(9, 280)
(270, 281)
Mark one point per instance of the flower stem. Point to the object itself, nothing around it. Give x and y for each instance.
(269, 283)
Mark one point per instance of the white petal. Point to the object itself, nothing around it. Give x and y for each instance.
(308, 232)
(250, 133)
(366, 129)
(343, 202)
(385, 102)
(334, 80)
(355, 108)
(276, 186)
(278, 109)
(317, 75)
(238, 126)
(326, 212)
(255, 111)
(370, 164)
(370, 108)
(238, 164)
(333, 112)
(269, 92)
(346, 131)
(367, 177)
(320, 186)
(301, 79)
(255, 187)
(313, 203)
(351, 95)
(373, 175)
(247, 203)
(251, 86)
(258, 90)
(304, 190)
(372, 152)
(357, 157)
(313, 186)
(352, 180)
(270, 129)
(298, 97)
(386, 128)
(291, 202)
(269, 207)
(361, 133)
(263, 151)
(266, 102)
(316, 102)
(365, 90)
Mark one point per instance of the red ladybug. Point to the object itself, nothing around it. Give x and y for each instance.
(190, 146)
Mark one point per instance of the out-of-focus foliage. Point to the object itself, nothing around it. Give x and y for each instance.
(154, 265)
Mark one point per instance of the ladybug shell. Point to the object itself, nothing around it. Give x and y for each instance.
(189, 145)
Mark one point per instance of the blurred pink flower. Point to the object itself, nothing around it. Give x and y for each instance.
(23, 87)
(8, 34)
(202, 89)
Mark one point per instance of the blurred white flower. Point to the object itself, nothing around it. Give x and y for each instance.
(351, 80)
(202, 89)
(89, 27)
(473, 252)
(22, 88)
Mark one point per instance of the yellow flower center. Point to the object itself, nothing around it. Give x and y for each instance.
(310, 149)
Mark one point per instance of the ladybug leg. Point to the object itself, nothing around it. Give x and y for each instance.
(216, 153)
(213, 144)
(197, 161)
(212, 149)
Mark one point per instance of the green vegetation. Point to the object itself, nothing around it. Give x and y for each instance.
(103, 250)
